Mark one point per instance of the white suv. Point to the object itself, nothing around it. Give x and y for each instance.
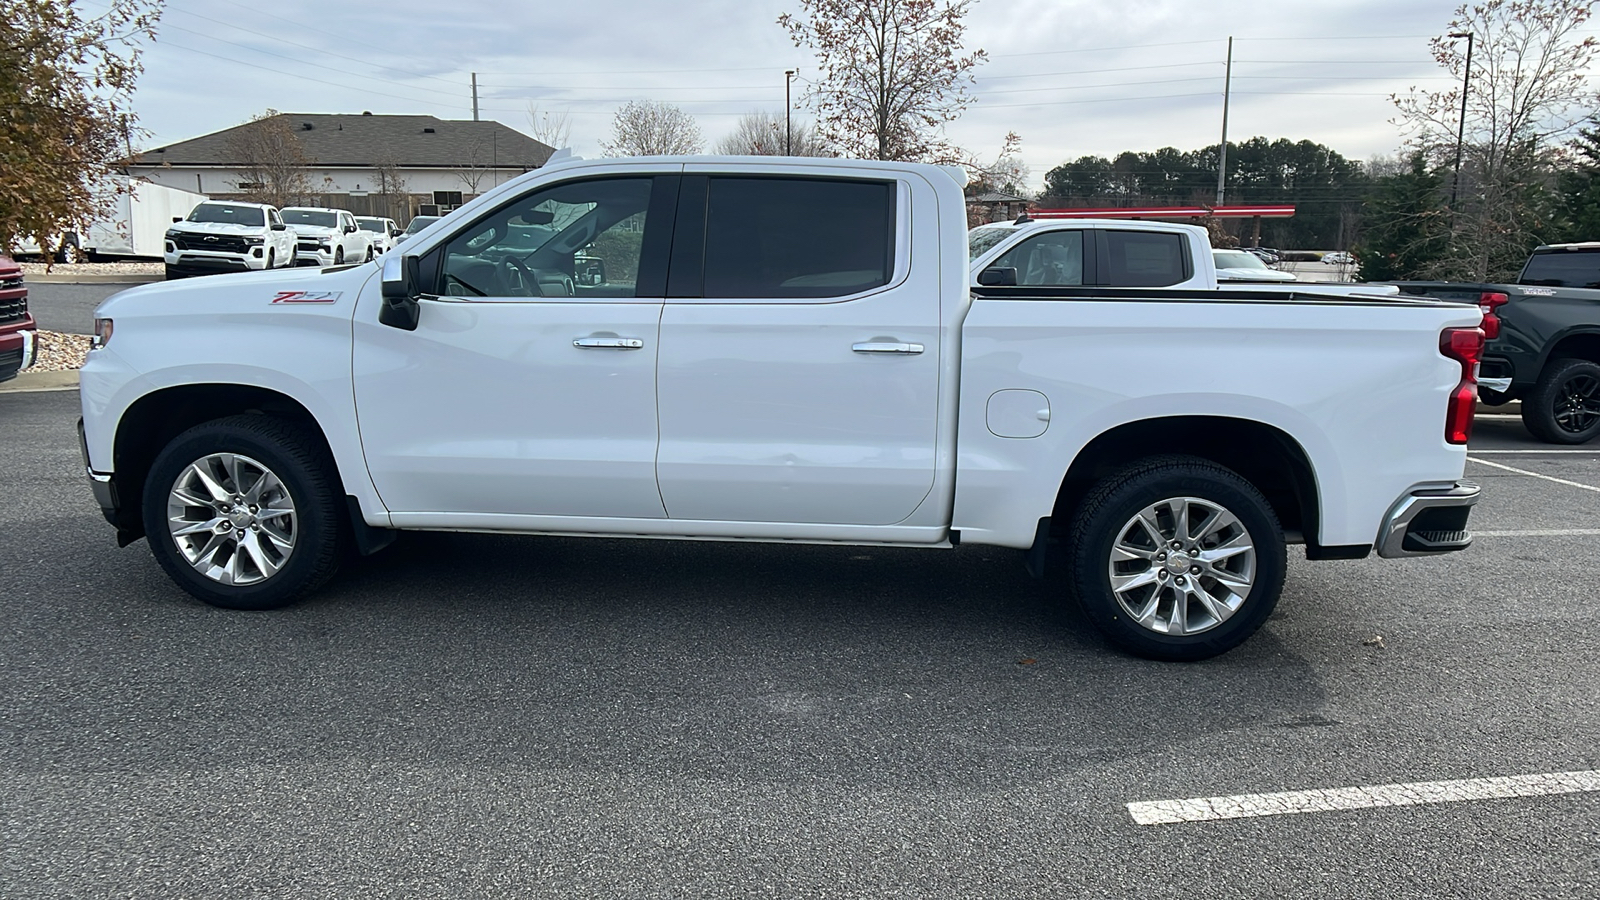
(328, 237)
(218, 236)
(381, 231)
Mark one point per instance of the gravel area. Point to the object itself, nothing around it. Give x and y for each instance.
(100, 268)
(60, 352)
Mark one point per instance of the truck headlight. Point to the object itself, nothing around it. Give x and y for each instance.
(254, 241)
(102, 334)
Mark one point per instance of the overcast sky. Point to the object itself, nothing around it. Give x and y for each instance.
(1073, 77)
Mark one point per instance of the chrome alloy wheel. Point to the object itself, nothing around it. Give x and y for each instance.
(1182, 566)
(232, 519)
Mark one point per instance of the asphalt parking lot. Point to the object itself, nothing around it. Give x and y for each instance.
(467, 715)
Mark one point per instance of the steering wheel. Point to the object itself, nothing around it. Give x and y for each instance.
(518, 277)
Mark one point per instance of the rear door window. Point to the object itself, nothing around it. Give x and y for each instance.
(1143, 259)
(792, 238)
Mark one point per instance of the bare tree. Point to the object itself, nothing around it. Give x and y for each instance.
(551, 129)
(475, 167)
(893, 74)
(1007, 174)
(391, 187)
(270, 161)
(648, 128)
(761, 134)
(1527, 91)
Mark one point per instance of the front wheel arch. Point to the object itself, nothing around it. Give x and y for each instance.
(152, 421)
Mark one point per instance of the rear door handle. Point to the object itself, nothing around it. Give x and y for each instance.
(886, 347)
(608, 343)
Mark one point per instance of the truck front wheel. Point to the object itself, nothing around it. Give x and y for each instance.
(242, 513)
(1564, 407)
(1177, 558)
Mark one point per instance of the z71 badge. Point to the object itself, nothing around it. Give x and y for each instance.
(307, 296)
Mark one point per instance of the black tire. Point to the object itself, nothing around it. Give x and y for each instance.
(173, 274)
(338, 256)
(306, 470)
(1564, 407)
(370, 254)
(272, 258)
(1111, 507)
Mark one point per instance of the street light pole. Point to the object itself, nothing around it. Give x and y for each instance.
(1461, 129)
(788, 129)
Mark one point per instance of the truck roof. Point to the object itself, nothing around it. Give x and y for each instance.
(1580, 245)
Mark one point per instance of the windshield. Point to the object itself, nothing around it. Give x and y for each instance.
(311, 217)
(1236, 259)
(1563, 268)
(419, 223)
(373, 225)
(228, 215)
(982, 240)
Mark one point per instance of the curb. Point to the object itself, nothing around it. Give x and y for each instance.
(130, 278)
(34, 382)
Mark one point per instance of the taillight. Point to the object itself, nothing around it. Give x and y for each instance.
(1464, 345)
(1489, 301)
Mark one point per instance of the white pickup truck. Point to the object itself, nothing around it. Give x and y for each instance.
(775, 350)
(1072, 253)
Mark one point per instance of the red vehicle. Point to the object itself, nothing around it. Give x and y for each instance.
(17, 331)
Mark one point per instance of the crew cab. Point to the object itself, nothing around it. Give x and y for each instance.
(731, 348)
(223, 236)
(1071, 252)
(328, 237)
(1544, 339)
(18, 335)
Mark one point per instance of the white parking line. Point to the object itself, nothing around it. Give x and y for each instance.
(1594, 452)
(1283, 803)
(1576, 484)
(1541, 532)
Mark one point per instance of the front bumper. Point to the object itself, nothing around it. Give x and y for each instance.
(17, 350)
(129, 529)
(318, 257)
(1429, 519)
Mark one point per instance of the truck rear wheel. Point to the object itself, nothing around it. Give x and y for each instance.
(242, 513)
(1177, 558)
(1564, 407)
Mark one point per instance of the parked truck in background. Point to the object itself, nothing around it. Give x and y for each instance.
(1079, 253)
(18, 335)
(1544, 339)
(783, 350)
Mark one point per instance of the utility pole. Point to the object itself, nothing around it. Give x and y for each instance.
(474, 96)
(1222, 151)
(788, 127)
(1461, 129)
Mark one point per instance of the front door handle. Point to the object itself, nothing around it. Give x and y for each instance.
(608, 343)
(886, 347)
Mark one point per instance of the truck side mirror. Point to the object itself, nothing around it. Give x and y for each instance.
(177, 218)
(279, 226)
(998, 276)
(400, 309)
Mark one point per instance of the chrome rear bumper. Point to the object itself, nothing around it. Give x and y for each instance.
(1428, 520)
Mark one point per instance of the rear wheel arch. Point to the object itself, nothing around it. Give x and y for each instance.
(1268, 458)
(1573, 345)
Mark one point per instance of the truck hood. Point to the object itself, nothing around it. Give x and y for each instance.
(216, 228)
(315, 231)
(260, 292)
